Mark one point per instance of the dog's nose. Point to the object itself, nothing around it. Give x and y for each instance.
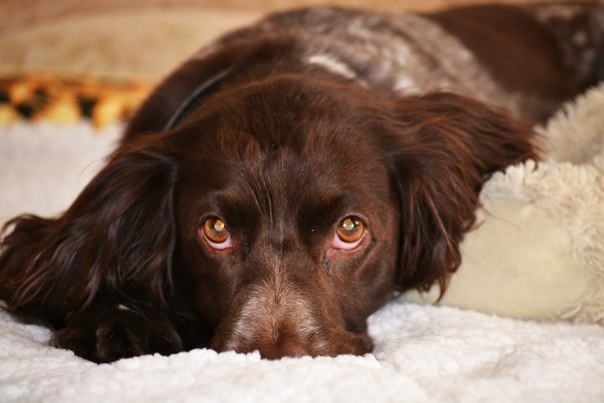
(287, 348)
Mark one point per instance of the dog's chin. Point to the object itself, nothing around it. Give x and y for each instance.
(337, 343)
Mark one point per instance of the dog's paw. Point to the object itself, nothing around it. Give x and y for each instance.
(118, 330)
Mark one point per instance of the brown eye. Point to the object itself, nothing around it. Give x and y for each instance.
(216, 233)
(350, 230)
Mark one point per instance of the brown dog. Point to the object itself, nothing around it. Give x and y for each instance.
(281, 185)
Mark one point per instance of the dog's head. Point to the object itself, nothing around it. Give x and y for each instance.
(279, 215)
(288, 218)
(301, 205)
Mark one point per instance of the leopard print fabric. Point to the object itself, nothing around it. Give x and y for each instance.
(62, 100)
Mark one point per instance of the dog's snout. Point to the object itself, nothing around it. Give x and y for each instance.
(287, 348)
(281, 314)
(272, 349)
(275, 318)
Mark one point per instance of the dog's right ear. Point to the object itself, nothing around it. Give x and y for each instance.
(117, 237)
(446, 146)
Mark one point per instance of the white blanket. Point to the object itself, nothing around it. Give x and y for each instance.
(422, 353)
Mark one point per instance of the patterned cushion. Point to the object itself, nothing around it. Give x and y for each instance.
(36, 97)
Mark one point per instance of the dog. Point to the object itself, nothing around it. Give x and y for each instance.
(280, 186)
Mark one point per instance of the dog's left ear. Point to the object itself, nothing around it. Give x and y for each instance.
(116, 238)
(444, 148)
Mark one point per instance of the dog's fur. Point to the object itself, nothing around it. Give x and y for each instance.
(313, 116)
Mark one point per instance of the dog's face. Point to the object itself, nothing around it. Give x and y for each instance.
(288, 220)
(277, 217)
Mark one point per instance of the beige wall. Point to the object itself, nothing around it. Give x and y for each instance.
(137, 38)
(17, 14)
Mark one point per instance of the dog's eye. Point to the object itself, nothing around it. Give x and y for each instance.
(216, 233)
(349, 233)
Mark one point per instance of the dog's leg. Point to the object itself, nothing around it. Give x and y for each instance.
(118, 327)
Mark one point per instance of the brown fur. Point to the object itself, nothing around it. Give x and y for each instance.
(281, 152)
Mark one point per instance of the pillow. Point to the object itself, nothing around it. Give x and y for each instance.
(537, 251)
(58, 99)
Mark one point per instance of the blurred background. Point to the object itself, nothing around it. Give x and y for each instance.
(68, 60)
(137, 38)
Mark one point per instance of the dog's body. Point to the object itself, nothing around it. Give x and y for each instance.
(281, 185)
(527, 60)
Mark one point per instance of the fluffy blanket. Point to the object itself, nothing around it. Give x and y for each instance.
(538, 250)
(423, 353)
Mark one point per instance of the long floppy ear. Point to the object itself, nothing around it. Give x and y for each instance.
(117, 237)
(446, 146)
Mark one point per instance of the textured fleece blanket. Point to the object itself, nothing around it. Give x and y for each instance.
(422, 353)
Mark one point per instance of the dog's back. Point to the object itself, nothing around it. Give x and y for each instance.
(528, 60)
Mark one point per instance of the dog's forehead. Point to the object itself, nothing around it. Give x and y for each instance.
(286, 185)
(297, 165)
(284, 122)
(287, 108)
(312, 156)
(288, 140)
